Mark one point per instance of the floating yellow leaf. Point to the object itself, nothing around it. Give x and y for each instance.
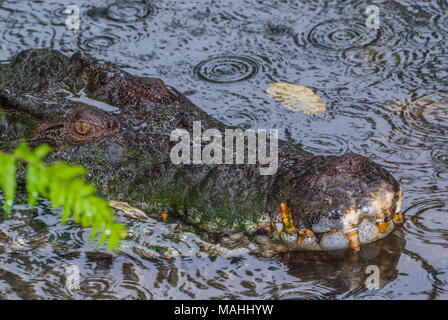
(128, 210)
(296, 97)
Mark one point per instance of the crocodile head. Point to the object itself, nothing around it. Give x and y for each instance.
(119, 128)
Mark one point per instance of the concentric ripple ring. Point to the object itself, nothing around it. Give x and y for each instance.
(227, 69)
(341, 35)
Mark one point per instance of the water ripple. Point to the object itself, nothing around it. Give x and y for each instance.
(341, 35)
(124, 12)
(440, 21)
(427, 222)
(325, 144)
(28, 36)
(424, 118)
(423, 34)
(227, 69)
(96, 43)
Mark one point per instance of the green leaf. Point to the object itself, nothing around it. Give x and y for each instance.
(42, 150)
(68, 206)
(24, 152)
(8, 180)
(32, 185)
(62, 170)
(63, 184)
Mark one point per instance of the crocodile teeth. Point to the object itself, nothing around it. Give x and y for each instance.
(164, 215)
(353, 238)
(382, 225)
(398, 218)
(287, 218)
(308, 232)
(302, 234)
(300, 237)
(279, 227)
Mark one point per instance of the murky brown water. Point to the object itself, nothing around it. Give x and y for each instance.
(386, 94)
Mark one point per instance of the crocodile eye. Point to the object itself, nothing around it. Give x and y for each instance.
(83, 128)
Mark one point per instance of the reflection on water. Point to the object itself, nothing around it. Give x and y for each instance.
(386, 95)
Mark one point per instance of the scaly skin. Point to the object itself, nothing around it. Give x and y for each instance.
(126, 154)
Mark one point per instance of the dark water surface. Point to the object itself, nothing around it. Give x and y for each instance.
(386, 94)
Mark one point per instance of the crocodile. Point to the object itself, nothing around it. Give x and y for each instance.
(120, 128)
